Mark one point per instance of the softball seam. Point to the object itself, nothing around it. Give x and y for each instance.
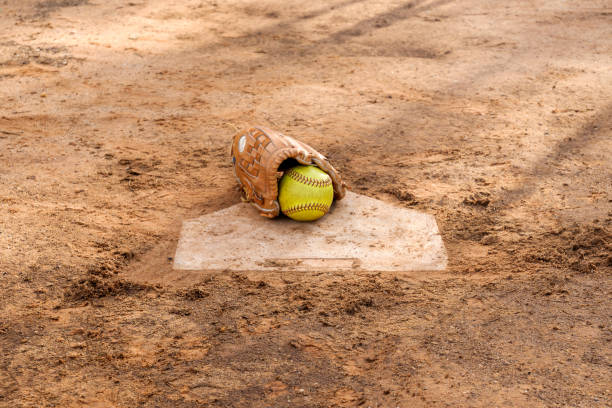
(309, 181)
(307, 207)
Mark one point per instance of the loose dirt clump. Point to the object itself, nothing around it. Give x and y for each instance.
(481, 199)
(402, 195)
(94, 288)
(193, 294)
(13, 54)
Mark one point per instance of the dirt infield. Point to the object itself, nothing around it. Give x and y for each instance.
(115, 124)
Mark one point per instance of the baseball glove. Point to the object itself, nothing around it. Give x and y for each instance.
(260, 157)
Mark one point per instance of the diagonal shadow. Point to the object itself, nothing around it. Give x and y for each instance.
(385, 19)
(289, 22)
(277, 39)
(591, 132)
(322, 11)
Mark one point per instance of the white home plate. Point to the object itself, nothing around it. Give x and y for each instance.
(360, 233)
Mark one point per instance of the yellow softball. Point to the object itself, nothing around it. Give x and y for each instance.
(305, 193)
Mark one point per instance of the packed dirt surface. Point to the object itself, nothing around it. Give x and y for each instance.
(115, 126)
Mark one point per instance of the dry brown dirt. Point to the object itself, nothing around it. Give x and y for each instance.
(115, 124)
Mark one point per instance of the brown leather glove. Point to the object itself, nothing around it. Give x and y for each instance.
(258, 155)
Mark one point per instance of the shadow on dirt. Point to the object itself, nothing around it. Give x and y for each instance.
(383, 20)
(44, 8)
(591, 132)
